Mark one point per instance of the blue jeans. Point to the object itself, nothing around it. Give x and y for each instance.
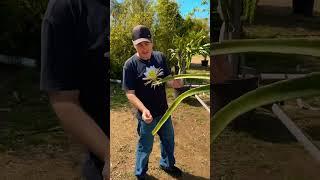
(92, 168)
(145, 143)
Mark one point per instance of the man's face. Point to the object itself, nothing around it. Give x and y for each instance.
(144, 50)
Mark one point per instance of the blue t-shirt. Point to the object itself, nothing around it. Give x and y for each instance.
(74, 39)
(134, 72)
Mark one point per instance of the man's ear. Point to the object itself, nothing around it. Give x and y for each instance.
(135, 46)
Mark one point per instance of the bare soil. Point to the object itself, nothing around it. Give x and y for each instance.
(192, 150)
(38, 163)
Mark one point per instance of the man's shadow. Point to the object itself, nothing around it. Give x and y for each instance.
(185, 175)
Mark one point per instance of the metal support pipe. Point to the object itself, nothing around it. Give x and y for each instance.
(296, 132)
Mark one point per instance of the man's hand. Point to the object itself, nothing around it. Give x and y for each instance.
(146, 116)
(176, 83)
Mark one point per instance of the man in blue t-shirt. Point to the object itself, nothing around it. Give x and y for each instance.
(74, 73)
(151, 102)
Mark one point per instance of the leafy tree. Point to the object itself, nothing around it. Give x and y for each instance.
(168, 23)
(125, 16)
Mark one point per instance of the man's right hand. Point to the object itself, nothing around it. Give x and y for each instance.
(146, 116)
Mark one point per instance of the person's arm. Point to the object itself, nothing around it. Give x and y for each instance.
(176, 83)
(60, 76)
(78, 123)
(135, 101)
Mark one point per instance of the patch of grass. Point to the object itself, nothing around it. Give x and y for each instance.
(118, 97)
(272, 63)
(30, 116)
(313, 101)
(277, 63)
(197, 70)
(279, 22)
(265, 31)
(170, 93)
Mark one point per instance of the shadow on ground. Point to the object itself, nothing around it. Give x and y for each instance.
(186, 175)
(192, 101)
(266, 15)
(264, 126)
(314, 132)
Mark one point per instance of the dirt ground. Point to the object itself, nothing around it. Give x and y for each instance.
(191, 124)
(52, 155)
(197, 59)
(38, 163)
(264, 149)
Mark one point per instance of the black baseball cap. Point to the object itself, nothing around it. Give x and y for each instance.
(140, 34)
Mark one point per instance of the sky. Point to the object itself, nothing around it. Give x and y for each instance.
(187, 6)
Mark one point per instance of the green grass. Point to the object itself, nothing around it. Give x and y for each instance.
(274, 63)
(118, 97)
(30, 116)
(285, 26)
(199, 70)
(265, 31)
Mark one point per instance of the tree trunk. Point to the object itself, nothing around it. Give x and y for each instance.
(183, 67)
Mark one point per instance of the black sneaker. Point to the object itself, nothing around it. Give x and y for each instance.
(141, 177)
(173, 171)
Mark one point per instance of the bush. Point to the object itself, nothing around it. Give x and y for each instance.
(125, 16)
(20, 29)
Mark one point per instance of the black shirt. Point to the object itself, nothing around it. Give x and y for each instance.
(74, 39)
(153, 98)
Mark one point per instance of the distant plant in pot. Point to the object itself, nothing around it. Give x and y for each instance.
(204, 51)
(186, 47)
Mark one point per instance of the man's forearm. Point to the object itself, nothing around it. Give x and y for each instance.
(135, 101)
(80, 125)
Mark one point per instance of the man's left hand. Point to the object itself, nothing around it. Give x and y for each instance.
(176, 83)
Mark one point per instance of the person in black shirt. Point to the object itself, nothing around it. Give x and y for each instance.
(74, 73)
(151, 102)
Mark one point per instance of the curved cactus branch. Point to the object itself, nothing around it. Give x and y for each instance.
(287, 89)
(176, 102)
(182, 76)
